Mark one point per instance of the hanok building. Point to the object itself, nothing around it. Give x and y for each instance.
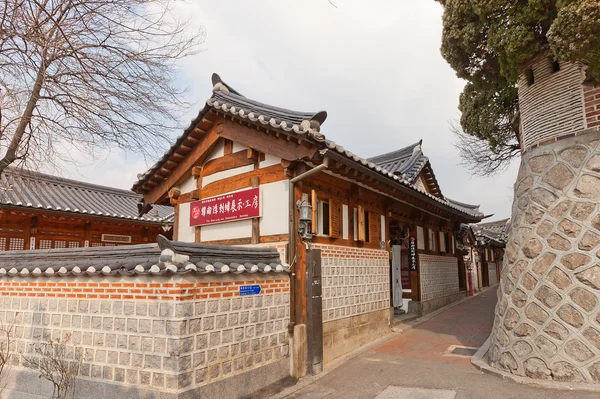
(39, 211)
(247, 173)
(491, 241)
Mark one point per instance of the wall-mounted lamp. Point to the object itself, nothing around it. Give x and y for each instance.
(305, 219)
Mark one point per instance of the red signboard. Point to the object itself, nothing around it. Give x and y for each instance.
(226, 208)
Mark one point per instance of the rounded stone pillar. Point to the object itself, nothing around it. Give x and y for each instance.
(547, 322)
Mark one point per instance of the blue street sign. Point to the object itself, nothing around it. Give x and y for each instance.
(249, 290)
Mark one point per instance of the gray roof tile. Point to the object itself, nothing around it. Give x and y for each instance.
(24, 188)
(407, 161)
(164, 257)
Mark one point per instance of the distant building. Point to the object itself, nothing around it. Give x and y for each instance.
(39, 211)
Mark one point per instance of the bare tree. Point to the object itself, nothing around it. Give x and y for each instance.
(479, 157)
(89, 74)
(6, 347)
(58, 363)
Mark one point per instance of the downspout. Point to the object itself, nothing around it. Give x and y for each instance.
(292, 237)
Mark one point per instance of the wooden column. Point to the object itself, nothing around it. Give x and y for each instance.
(300, 263)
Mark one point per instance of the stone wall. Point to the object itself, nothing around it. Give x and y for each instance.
(546, 323)
(439, 283)
(356, 297)
(155, 335)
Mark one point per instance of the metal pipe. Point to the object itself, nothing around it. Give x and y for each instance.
(292, 237)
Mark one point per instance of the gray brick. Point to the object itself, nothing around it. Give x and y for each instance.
(100, 356)
(76, 321)
(135, 343)
(245, 347)
(72, 306)
(145, 377)
(110, 340)
(173, 347)
(226, 368)
(96, 322)
(249, 331)
(200, 375)
(107, 373)
(98, 339)
(235, 348)
(132, 376)
(137, 360)
(105, 307)
(172, 381)
(234, 319)
(84, 370)
(170, 363)
(176, 327)
(184, 309)
(158, 380)
(107, 323)
(88, 338)
(225, 305)
(52, 305)
(141, 309)
(248, 361)
(129, 308)
(94, 306)
(117, 308)
(185, 379)
(84, 306)
(208, 323)
(195, 325)
(198, 359)
(153, 309)
(122, 341)
(124, 358)
(187, 344)
(146, 344)
(132, 325)
(244, 317)
(255, 344)
(185, 363)
(213, 307)
(86, 322)
(238, 364)
(211, 356)
(160, 345)
(202, 341)
(166, 310)
(145, 326)
(199, 308)
(158, 327)
(248, 303)
(152, 362)
(96, 371)
(65, 321)
(224, 353)
(214, 371)
(112, 357)
(214, 339)
(221, 321)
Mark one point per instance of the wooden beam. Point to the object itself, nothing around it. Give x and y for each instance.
(227, 147)
(230, 161)
(267, 175)
(184, 167)
(266, 143)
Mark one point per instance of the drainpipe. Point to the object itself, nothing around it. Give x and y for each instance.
(292, 237)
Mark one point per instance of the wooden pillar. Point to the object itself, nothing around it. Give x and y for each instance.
(300, 264)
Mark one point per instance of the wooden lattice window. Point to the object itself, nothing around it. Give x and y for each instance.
(2, 244)
(16, 244)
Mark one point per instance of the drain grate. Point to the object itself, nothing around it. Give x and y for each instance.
(463, 351)
(458, 350)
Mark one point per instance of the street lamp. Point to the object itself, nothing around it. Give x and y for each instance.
(305, 219)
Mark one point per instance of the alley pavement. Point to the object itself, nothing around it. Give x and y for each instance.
(430, 361)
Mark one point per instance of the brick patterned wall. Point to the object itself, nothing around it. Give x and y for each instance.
(592, 105)
(439, 276)
(355, 281)
(163, 333)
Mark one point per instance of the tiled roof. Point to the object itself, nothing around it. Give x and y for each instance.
(228, 100)
(28, 189)
(407, 161)
(468, 208)
(165, 257)
(496, 231)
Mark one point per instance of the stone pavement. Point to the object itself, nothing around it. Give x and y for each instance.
(418, 364)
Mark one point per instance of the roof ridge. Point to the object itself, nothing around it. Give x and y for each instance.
(411, 146)
(462, 203)
(72, 182)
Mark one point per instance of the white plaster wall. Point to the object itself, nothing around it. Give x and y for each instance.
(188, 185)
(269, 161)
(217, 152)
(275, 208)
(238, 147)
(185, 232)
(225, 174)
(226, 231)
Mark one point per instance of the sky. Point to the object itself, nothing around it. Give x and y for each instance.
(375, 67)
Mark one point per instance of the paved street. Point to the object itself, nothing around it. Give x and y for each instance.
(418, 364)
